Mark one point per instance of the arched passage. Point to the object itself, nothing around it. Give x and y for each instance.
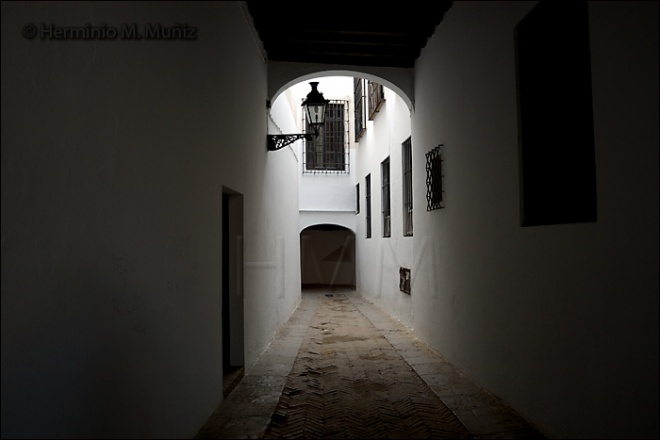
(327, 256)
(282, 75)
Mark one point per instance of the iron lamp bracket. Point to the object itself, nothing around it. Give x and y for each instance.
(278, 141)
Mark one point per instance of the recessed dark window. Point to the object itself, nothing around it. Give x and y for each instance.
(404, 280)
(385, 197)
(376, 98)
(555, 115)
(360, 104)
(367, 195)
(406, 166)
(329, 151)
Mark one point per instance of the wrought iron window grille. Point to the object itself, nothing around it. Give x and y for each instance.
(434, 176)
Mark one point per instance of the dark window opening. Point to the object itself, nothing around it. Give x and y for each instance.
(376, 98)
(404, 280)
(385, 197)
(359, 102)
(367, 188)
(407, 188)
(329, 151)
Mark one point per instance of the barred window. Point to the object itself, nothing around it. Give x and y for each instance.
(385, 195)
(329, 151)
(376, 98)
(434, 174)
(359, 100)
(406, 155)
(367, 189)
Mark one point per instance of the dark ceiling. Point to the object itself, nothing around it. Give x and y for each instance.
(357, 33)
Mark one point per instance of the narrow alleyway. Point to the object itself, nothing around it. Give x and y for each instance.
(342, 368)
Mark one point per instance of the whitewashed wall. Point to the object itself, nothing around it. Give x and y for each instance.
(560, 321)
(114, 158)
(379, 258)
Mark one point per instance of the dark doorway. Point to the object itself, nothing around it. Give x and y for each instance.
(232, 290)
(555, 115)
(327, 256)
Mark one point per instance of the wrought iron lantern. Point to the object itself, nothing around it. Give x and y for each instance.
(315, 105)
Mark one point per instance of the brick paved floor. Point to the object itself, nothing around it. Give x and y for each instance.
(342, 368)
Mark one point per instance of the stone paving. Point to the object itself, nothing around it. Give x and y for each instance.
(342, 368)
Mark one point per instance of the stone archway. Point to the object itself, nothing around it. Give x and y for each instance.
(282, 75)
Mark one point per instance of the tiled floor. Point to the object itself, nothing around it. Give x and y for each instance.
(251, 407)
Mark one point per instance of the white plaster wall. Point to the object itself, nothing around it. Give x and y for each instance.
(560, 321)
(327, 192)
(114, 158)
(379, 258)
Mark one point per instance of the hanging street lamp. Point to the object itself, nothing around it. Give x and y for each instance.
(315, 105)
